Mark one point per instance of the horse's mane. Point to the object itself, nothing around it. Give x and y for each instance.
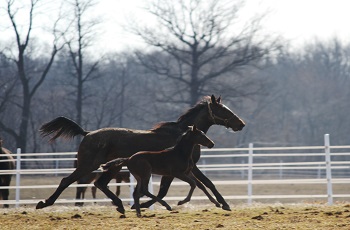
(187, 114)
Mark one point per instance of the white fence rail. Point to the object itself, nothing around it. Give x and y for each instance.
(255, 162)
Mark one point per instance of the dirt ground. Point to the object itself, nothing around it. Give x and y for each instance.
(191, 216)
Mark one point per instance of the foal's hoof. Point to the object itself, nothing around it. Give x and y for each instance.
(40, 205)
(226, 207)
(181, 202)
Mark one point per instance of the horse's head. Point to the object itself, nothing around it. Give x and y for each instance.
(222, 115)
(199, 137)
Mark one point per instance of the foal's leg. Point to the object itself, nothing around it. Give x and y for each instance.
(144, 190)
(202, 178)
(102, 183)
(136, 196)
(191, 182)
(201, 187)
(163, 190)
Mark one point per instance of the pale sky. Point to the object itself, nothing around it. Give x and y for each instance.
(299, 21)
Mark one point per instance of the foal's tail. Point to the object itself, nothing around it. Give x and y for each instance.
(117, 162)
(62, 126)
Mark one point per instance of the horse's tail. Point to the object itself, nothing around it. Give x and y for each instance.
(62, 126)
(117, 162)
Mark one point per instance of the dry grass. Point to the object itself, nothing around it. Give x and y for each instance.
(308, 214)
(258, 216)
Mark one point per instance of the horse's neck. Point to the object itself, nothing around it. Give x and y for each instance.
(200, 120)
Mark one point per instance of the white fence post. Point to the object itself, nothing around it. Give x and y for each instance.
(250, 173)
(150, 189)
(18, 177)
(328, 169)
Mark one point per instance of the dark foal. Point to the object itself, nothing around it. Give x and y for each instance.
(176, 162)
(5, 179)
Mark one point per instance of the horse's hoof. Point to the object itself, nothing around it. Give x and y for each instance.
(180, 203)
(226, 207)
(133, 206)
(138, 215)
(40, 205)
(218, 205)
(121, 210)
(80, 204)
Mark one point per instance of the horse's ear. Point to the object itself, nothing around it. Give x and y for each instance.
(218, 100)
(212, 99)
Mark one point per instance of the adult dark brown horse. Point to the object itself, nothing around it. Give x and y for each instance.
(80, 194)
(6, 163)
(175, 162)
(100, 146)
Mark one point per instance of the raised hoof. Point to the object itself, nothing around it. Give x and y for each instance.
(226, 207)
(180, 203)
(121, 210)
(138, 215)
(40, 205)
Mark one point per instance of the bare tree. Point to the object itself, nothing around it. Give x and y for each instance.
(79, 39)
(30, 78)
(199, 41)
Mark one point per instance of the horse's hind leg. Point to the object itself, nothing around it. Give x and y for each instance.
(102, 182)
(65, 182)
(5, 192)
(80, 193)
(163, 190)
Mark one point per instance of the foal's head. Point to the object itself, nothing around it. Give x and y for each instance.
(198, 137)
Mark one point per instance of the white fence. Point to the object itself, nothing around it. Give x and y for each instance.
(253, 169)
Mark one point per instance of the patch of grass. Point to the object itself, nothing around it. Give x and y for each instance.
(257, 216)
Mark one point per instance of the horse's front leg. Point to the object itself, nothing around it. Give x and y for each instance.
(202, 178)
(102, 182)
(163, 190)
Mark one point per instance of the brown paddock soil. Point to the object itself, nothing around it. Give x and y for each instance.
(257, 216)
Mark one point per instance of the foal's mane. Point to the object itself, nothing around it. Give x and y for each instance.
(186, 115)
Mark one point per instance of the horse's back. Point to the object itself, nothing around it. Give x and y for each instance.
(110, 143)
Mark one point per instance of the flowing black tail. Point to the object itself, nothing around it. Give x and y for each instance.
(118, 161)
(62, 126)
